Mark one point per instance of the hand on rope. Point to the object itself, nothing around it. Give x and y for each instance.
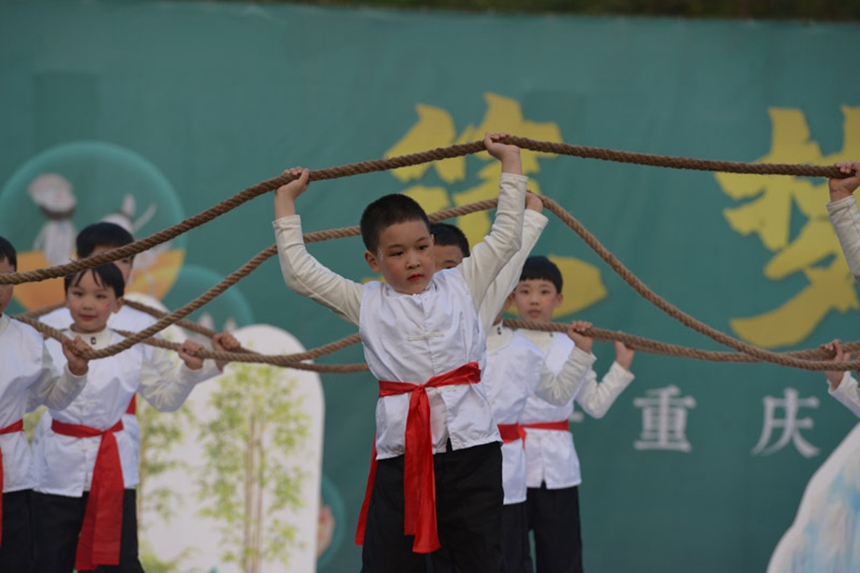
(839, 355)
(459, 150)
(583, 329)
(758, 354)
(845, 187)
(74, 351)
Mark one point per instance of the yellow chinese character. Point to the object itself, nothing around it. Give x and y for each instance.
(436, 128)
(814, 251)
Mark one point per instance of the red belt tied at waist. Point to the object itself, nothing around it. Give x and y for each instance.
(561, 426)
(102, 529)
(512, 432)
(10, 429)
(419, 483)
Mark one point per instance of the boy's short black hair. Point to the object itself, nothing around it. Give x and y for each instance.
(101, 235)
(540, 267)
(386, 211)
(8, 253)
(445, 234)
(107, 275)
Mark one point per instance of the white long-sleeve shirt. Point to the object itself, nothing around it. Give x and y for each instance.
(846, 222)
(63, 465)
(28, 378)
(516, 371)
(848, 393)
(551, 455)
(411, 338)
(128, 319)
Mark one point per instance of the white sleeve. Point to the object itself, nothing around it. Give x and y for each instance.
(848, 392)
(509, 276)
(559, 389)
(308, 277)
(505, 239)
(52, 389)
(596, 399)
(166, 385)
(846, 221)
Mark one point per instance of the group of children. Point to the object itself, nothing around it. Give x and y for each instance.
(71, 504)
(472, 447)
(454, 383)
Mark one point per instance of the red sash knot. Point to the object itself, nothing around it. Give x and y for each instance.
(10, 429)
(102, 529)
(512, 432)
(419, 483)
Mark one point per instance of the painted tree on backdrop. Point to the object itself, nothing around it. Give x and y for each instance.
(247, 483)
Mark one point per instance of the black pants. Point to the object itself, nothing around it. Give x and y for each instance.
(553, 515)
(16, 548)
(516, 554)
(58, 525)
(469, 500)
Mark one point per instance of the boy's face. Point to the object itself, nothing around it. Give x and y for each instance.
(124, 265)
(404, 256)
(91, 304)
(448, 256)
(6, 290)
(535, 299)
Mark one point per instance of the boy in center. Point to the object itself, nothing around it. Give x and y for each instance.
(438, 474)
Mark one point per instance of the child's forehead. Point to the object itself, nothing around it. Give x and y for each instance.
(536, 283)
(405, 232)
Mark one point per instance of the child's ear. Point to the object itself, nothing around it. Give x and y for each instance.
(118, 304)
(559, 298)
(371, 261)
(509, 302)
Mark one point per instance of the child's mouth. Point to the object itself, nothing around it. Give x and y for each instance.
(414, 278)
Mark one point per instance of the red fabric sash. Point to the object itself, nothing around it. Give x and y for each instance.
(132, 406)
(10, 429)
(512, 432)
(102, 529)
(419, 483)
(561, 426)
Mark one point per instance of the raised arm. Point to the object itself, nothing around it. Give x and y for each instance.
(596, 398)
(507, 279)
(844, 214)
(302, 272)
(505, 238)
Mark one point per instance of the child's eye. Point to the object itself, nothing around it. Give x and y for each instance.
(395, 254)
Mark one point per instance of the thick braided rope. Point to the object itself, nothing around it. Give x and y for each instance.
(637, 342)
(405, 161)
(682, 317)
(760, 354)
(244, 271)
(674, 350)
(312, 354)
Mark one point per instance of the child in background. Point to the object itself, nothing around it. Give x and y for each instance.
(424, 340)
(85, 467)
(551, 463)
(28, 378)
(515, 371)
(93, 240)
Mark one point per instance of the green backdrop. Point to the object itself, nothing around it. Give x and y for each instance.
(218, 97)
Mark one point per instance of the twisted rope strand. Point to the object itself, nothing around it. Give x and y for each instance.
(405, 161)
(676, 313)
